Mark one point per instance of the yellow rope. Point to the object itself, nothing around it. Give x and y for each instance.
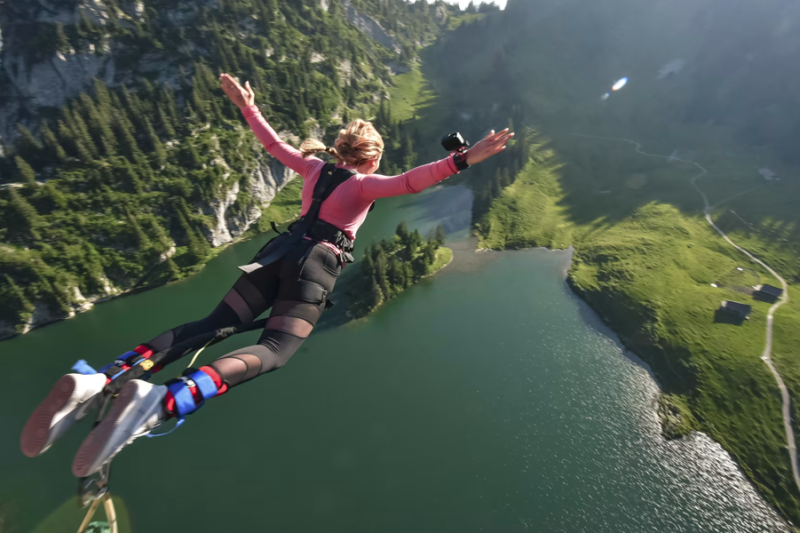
(198, 353)
(89, 515)
(111, 513)
(105, 499)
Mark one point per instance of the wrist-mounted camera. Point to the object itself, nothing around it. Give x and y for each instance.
(456, 144)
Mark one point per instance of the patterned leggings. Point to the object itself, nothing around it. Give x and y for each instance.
(295, 287)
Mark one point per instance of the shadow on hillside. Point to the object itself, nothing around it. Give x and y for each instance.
(349, 282)
(761, 297)
(605, 182)
(724, 317)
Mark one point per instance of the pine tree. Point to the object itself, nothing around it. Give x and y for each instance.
(402, 232)
(200, 105)
(367, 266)
(25, 171)
(157, 233)
(73, 143)
(374, 297)
(15, 298)
(104, 103)
(409, 274)
(171, 270)
(26, 221)
(168, 103)
(62, 42)
(416, 239)
(99, 126)
(148, 92)
(55, 152)
(381, 274)
(133, 109)
(128, 145)
(396, 274)
(192, 118)
(439, 235)
(198, 246)
(419, 267)
(52, 197)
(429, 252)
(190, 158)
(141, 238)
(166, 122)
(79, 129)
(497, 190)
(27, 145)
(129, 177)
(381, 119)
(156, 145)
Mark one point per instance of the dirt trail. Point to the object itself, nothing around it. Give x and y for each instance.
(766, 356)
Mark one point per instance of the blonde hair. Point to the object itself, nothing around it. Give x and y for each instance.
(358, 142)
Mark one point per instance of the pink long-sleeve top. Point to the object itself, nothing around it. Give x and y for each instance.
(348, 205)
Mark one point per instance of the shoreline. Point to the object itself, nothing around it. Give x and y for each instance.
(629, 353)
(83, 308)
(360, 320)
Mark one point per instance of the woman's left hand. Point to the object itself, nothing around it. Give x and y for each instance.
(241, 96)
(488, 146)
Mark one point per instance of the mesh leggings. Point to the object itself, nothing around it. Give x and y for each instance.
(295, 287)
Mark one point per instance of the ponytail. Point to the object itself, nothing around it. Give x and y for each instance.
(359, 141)
(313, 146)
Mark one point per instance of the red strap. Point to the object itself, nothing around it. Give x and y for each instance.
(215, 377)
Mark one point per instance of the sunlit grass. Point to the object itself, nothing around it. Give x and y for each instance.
(647, 267)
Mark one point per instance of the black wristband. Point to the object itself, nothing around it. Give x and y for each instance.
(460, 160)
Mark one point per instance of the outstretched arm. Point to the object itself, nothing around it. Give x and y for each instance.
(375, 186)
(244, 98)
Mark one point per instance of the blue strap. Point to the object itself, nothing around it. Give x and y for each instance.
(124, 357)
(206, 386)
(179, 424)
(115, 376)
(82, 367)
(184, 402)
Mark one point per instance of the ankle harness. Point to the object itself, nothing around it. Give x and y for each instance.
(184, 400)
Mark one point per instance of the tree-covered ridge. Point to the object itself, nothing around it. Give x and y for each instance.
(290, 51)
(392, 265)
(645, 256)
(125, 185)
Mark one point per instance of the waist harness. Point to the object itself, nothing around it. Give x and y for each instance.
(310, 225)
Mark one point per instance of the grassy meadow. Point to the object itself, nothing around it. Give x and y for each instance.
(646, 259)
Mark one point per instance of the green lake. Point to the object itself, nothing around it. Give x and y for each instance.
(488, 398)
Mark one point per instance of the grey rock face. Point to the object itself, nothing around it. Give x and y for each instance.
(370, 27)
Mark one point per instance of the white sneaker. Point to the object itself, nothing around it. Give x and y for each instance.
(69, 400)
(137, 411)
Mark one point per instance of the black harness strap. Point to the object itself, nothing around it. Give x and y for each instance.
(173, 353)
(310, 224)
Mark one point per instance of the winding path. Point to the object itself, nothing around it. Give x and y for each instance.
(766, 356)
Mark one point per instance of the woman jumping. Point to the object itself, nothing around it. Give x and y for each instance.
(293, 275)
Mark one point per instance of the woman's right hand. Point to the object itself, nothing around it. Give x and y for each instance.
(488, 146)
(241, 96)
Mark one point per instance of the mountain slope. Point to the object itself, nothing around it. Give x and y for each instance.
(124, 165)
(645, 258)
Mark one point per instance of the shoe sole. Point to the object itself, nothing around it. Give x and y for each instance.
(97, 440)
(37, 429)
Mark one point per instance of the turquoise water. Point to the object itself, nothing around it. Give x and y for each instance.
(488, 398)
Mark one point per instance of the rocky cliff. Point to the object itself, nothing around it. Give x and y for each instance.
(122, 164)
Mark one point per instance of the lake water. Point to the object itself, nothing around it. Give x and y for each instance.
(488, 398)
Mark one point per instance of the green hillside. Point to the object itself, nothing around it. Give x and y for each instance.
(131, 181)
(645, 258)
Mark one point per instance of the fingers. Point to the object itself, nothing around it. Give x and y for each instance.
(500, 134)
(229, 82)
